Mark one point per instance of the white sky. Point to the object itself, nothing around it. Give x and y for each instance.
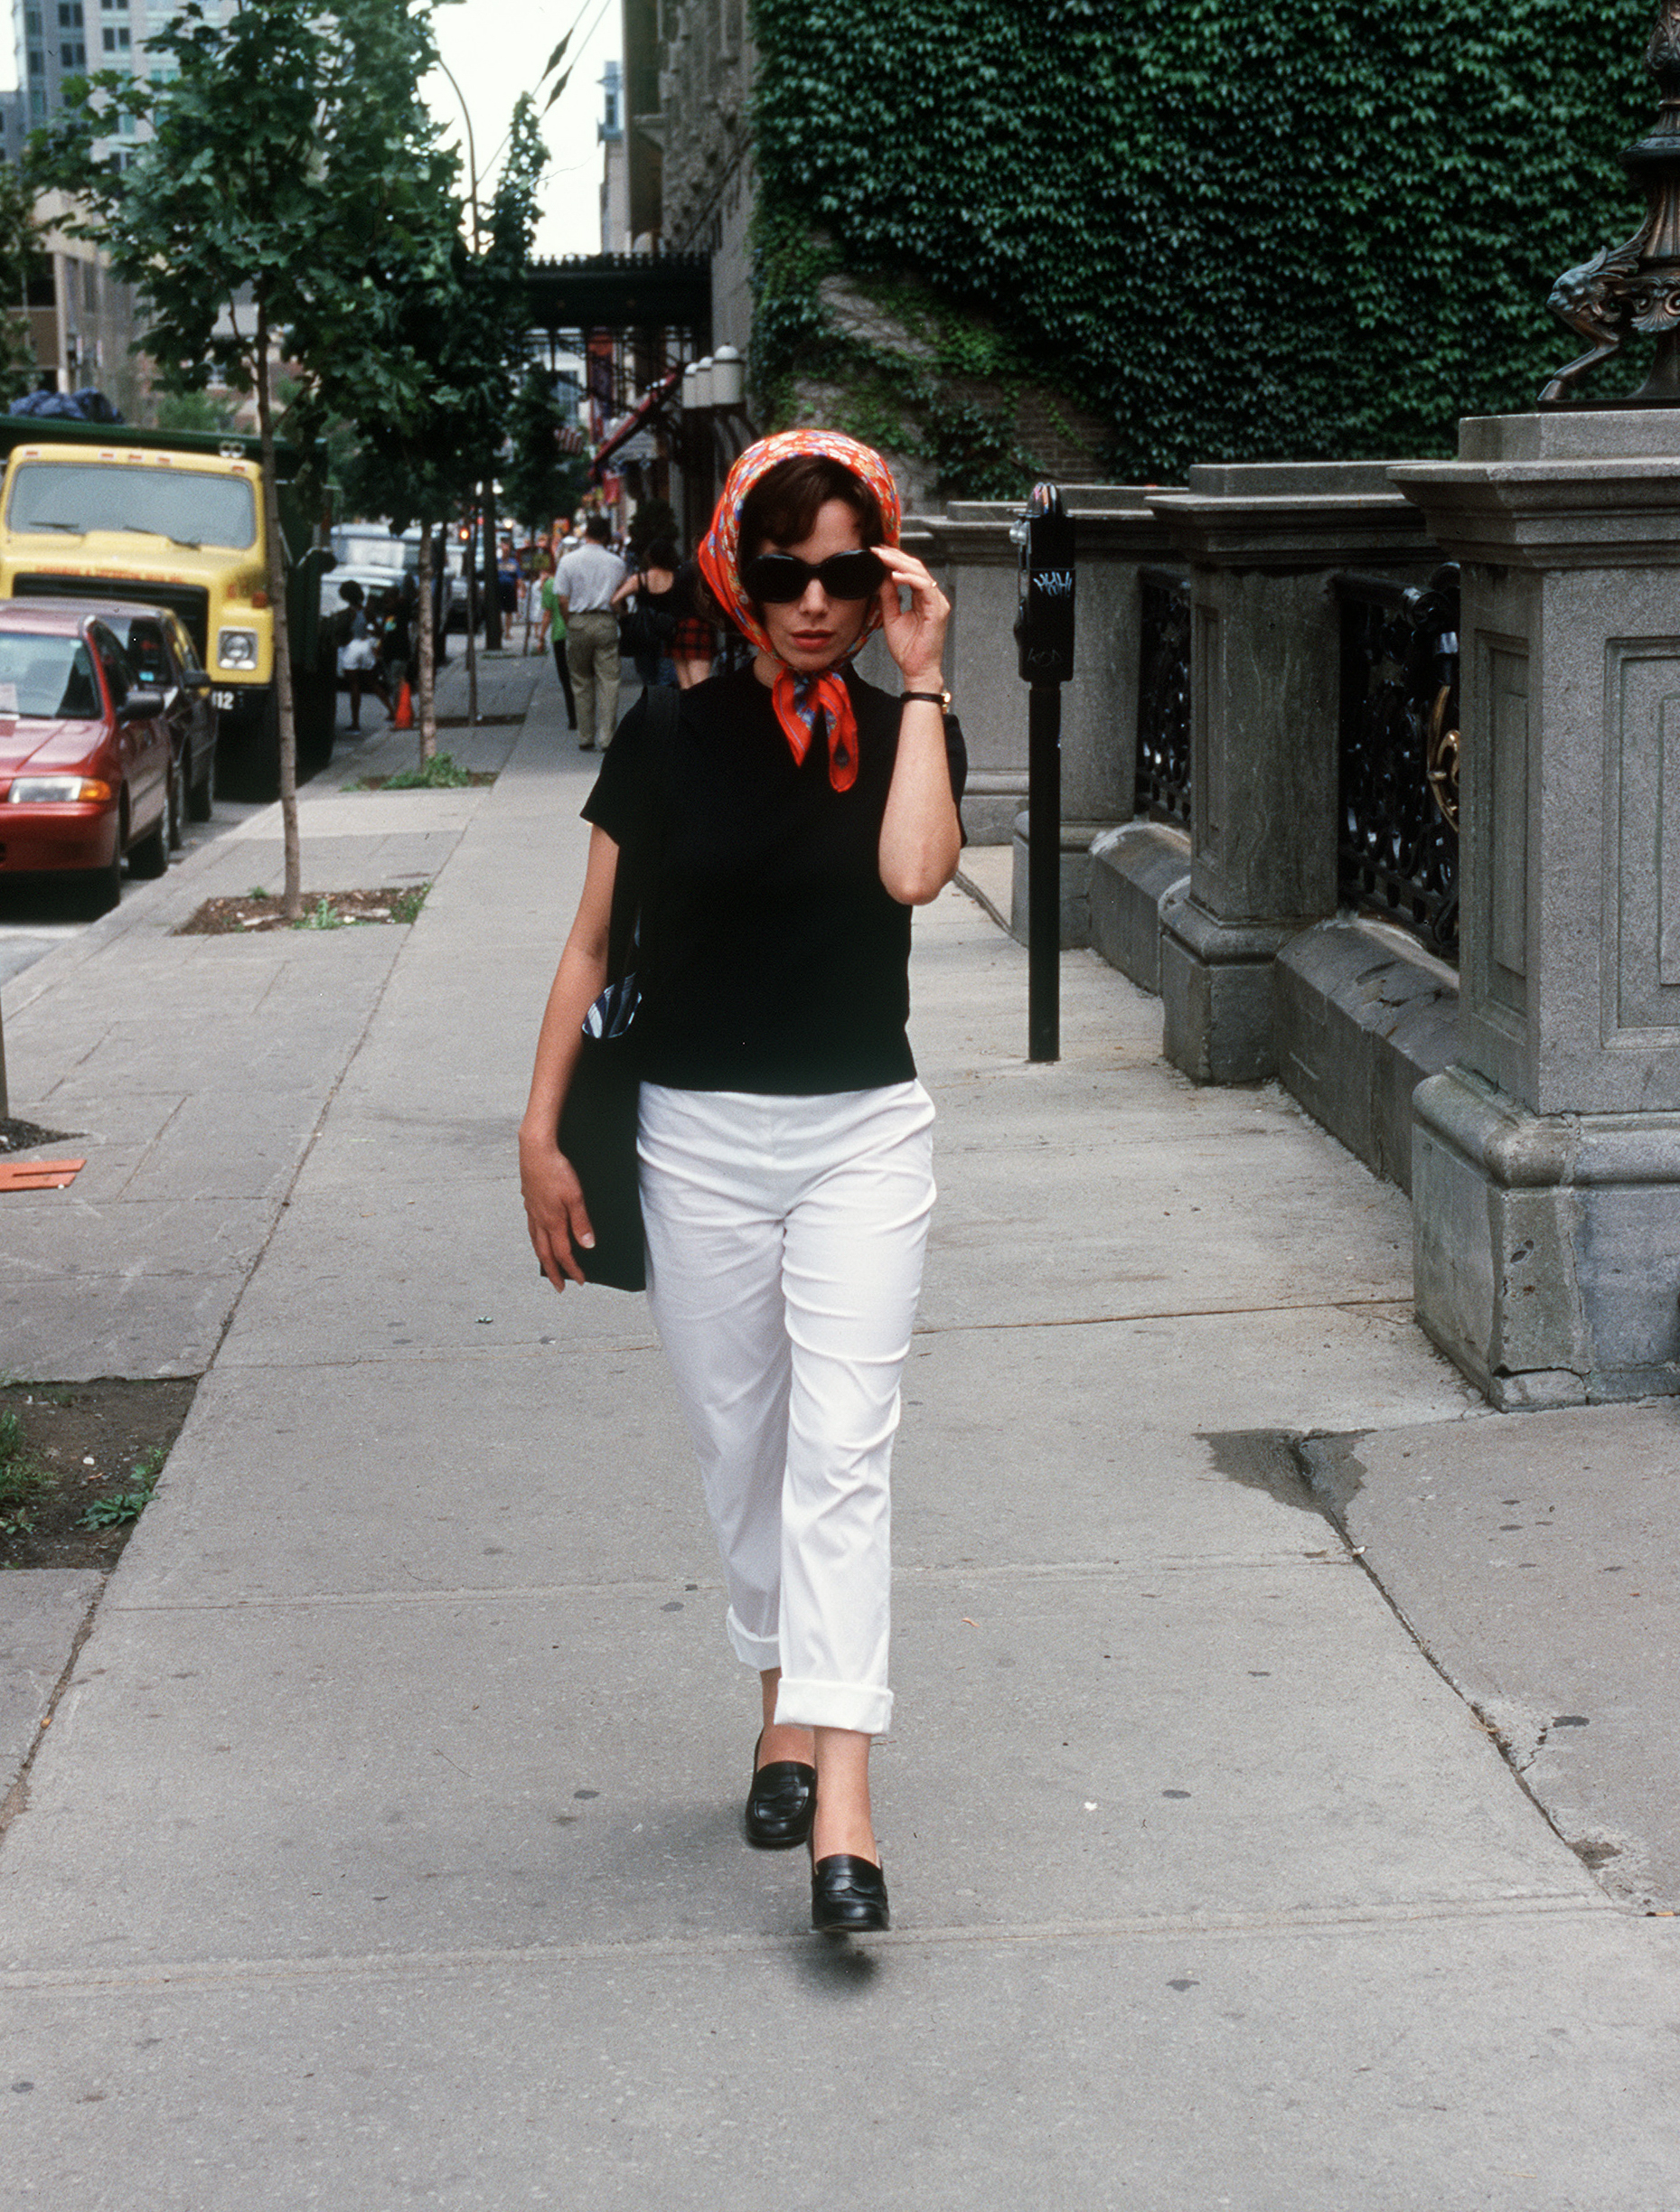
(495, 48)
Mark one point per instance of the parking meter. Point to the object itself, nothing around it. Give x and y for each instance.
(1044, 637)
(1043, 627)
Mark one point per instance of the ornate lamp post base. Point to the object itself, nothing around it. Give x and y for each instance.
(1635, 286)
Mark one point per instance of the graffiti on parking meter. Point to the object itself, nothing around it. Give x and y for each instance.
(1044, 628)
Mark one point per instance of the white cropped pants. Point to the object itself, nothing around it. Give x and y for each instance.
(785, 1239)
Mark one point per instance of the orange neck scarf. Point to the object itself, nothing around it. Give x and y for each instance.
(798, 699)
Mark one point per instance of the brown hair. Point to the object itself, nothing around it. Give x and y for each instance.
(782, 507)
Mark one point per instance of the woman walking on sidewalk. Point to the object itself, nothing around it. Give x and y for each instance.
(786, 1145)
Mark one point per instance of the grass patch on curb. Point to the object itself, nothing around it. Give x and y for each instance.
(22, 1476)
(79, 1464)
(259, 911)
(443, 771)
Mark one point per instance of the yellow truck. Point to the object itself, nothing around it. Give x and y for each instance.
(100, 510)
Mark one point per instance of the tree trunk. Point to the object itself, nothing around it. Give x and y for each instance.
(292, 905)
(429, 678)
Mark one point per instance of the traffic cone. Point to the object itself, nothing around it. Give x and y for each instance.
(405, 709)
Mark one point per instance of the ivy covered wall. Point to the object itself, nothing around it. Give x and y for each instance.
(1229, 229)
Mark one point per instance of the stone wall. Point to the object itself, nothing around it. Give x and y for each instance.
(1238, 926)
(698, 58)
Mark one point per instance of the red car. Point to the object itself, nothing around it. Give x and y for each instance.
(85, 752)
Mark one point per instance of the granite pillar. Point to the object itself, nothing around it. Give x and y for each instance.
(979, 567)
(1265, 543)
(1546, 1160)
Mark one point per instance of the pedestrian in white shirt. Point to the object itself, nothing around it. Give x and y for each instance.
(583, 586)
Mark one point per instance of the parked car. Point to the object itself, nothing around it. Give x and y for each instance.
(369, 545)
(164, 660)
(85, 752)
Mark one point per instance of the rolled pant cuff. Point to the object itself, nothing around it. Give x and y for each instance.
(837, 1705)
(753, 1651)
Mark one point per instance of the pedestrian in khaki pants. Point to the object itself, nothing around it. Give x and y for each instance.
(584, 585)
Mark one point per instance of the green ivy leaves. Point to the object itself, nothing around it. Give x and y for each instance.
(1290, 227)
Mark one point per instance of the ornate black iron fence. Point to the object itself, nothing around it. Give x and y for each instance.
(1163, 791)
(1398, 847)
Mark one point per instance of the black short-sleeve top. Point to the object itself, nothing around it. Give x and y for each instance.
(774, 959)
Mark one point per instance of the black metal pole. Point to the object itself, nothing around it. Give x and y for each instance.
(1043, 872)
(492, 579)
(1044, 635)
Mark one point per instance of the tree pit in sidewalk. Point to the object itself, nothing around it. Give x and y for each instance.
(78, 1465)
(26, 1135)
(261, 910)
(402, 779)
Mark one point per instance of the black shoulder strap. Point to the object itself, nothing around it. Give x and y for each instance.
(641, 856)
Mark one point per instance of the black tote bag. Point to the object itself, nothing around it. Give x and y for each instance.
(597, 1131)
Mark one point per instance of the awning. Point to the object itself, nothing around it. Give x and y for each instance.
(641, 416)
(623, 292)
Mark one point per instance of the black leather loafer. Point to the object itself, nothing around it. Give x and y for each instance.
(848, 1896)
(780, 1803)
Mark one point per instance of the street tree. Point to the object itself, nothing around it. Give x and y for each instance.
(431, 444)
(538, 481)
(20, 247)
(502, 319)
(289, 162)
(413, 463)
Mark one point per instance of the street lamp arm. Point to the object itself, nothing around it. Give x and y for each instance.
(472, 155)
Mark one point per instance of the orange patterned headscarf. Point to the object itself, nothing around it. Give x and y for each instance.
(798, 699)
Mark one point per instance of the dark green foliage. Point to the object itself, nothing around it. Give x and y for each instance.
(20, 239)
(191, 410)
(1283, 228)
(291, 168)
(442, 772)
(950, 400)
(461, 324)
(538, 481)
(290, 162)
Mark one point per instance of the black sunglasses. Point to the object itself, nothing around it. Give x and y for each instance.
(777, 579)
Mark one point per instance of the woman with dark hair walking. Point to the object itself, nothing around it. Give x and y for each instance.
(786, 1145)
(658, 607)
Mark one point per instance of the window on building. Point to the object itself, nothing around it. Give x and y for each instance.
(117, 41)
(32, 21)
(38, 105)
(73, 54)
(37, 63)
(70, 14)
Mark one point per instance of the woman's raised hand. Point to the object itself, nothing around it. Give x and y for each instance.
(915, 634)
(555, 1212)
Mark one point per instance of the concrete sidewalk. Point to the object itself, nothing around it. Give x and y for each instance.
(384, 1850)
